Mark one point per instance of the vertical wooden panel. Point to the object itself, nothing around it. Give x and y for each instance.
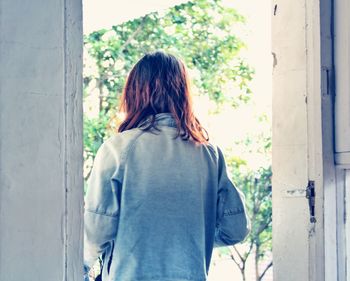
(314, 125)
(290, 142)
(342, 68)
(342, 197)
(328, 172)
(347, 222)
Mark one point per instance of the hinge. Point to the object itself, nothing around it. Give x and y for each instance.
(310, 195)
(328, 82)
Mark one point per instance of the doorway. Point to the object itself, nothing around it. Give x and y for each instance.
(226, 48)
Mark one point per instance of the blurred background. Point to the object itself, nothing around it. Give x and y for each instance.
(226, 46)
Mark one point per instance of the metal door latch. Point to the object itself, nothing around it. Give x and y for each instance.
(310, 195)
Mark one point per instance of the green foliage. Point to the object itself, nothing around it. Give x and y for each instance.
(202, 33)
(256, 186)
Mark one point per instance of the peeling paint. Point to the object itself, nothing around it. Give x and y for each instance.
(274, 59)
(291, 214)
(295, 193)
(312, 230)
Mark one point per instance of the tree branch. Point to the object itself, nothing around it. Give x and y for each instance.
(264, 226)
(262, 242)
(236, 262)
(239, 255)
(265, 270)
(132, 36)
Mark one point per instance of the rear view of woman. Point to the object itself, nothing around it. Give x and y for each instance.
(159, 197)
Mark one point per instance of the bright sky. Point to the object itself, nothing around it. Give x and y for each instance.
(256, 34)
(100, 14)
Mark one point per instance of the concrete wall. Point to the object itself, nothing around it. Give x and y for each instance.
(41, 182)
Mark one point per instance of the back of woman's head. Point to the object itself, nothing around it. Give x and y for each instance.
(159, 83)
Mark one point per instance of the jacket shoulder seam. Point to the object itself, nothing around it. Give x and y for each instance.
(101, 213)
(129, 148)
(214, 150)
(124, 155)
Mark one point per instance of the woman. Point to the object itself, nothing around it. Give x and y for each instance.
(159, 197)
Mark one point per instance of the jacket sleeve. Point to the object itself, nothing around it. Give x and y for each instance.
(101, 206)
(232, 224)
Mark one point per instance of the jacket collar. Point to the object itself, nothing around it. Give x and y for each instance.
(165, 119)
(161, 119)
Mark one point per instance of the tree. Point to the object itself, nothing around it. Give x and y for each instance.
(258, 197)
(256, 186)
(202, 33)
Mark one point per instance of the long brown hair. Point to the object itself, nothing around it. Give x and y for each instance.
(159, 83)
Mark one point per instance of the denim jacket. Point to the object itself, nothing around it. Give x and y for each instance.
(156, 206)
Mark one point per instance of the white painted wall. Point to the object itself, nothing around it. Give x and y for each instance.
(303, 140)
(342, 69)
(41, 140)
(297, 140)
(289, 143)
(342, 133)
